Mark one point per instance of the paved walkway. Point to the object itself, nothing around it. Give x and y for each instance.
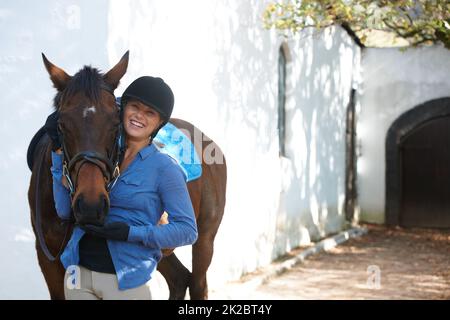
(386, 263)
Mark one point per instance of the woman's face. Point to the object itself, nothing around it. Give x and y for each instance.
(140, 120)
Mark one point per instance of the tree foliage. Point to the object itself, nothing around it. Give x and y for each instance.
(417, 21)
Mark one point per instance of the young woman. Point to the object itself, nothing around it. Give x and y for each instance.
(116, 261)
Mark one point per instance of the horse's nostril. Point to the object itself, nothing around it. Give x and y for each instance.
(104, 207)
(77, 206)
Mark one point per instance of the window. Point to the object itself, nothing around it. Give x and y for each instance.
(350, 159)
(282, 101)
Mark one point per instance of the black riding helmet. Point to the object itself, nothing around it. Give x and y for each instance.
(153, 92)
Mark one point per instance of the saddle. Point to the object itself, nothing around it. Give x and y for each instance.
(173, 142)
(32, 146)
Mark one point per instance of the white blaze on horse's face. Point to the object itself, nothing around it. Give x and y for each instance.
(87, 110)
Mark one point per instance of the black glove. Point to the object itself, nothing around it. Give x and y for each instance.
(115, 231)
(51, 127)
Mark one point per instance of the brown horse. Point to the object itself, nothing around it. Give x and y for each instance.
(91, 141)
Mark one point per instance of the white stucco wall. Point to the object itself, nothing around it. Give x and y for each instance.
(393, 83)
(222, 66)
(324, 68)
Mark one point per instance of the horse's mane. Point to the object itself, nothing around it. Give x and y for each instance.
(88, 80)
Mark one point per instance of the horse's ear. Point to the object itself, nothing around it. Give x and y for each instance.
(113, 76)
(58, 76)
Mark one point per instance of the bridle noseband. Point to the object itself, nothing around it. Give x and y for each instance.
(108, 164)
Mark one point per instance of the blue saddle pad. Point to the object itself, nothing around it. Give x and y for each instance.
(175, 143)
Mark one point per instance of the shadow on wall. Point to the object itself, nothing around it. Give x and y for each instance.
(244, 84)
(311, 181)
(319, 87)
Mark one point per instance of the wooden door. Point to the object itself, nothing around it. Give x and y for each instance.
(425, 176)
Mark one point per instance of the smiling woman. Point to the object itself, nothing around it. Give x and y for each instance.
(140, 120)
(119, 237)
(115, 259)
(146, 106)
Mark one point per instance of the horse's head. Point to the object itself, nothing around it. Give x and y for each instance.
(89, 125)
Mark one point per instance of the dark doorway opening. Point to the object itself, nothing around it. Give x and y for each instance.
(417, 167)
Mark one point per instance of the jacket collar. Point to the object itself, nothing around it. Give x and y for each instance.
(147, 151)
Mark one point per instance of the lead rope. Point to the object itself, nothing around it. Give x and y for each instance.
(38, 217)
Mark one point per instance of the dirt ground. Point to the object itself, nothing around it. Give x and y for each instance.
(386, 263)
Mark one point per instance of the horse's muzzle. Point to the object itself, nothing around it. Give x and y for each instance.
(90, 212)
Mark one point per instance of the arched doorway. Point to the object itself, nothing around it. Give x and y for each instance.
(418, 167)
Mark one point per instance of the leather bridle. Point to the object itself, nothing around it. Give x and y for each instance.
(108, 164)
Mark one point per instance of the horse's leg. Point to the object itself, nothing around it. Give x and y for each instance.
(212, 206)
(202, 252)
(176, 275)
(53, 274)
